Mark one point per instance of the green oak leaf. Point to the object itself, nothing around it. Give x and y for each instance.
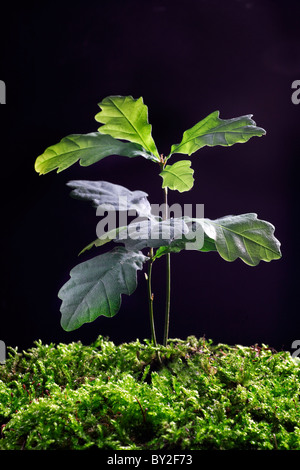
(96, 286)
(124, 117)
(213, 131)
(180, 244)
(152, 233)
(243, 236)
(108, 195)
(103, 239)
(88, 149)
(142, 234)
(235, 236)
(178, 176)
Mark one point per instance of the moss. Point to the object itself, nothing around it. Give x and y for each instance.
(194, 395)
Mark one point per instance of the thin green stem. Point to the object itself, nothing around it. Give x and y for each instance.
(168, 299)
(150, 299)
(168, 280)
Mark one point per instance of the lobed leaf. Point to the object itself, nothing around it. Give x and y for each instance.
(96, 286)
(207, 244)
(243, 236)
(109, 195)
(152, 233)
(178, 176)
(102, 240)
(124, 117)
(88, 149)
(213, 131)
(149, 233)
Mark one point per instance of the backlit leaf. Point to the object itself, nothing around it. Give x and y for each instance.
(178, 176)
(124, 117)
(213, 131)
(88, 149)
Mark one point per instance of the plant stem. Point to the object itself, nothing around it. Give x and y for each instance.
(168, 298)
(168, 279)
(150, 299)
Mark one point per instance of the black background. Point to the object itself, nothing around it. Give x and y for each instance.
(187, 59)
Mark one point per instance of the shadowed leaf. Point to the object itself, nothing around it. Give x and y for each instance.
(243, 236)
(152, 233)
(96, 286)
(111, 196)
(235, 236)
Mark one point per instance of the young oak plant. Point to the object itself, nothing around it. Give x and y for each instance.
(95, 286)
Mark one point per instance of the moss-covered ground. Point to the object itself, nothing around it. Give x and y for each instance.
(189, 395)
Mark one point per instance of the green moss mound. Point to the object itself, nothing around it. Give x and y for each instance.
(189, 395)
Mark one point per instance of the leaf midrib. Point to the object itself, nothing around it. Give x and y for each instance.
(179, 177)
(94, 286)
(243, 236)
(213, 131)
(68, 153)
(135, 129)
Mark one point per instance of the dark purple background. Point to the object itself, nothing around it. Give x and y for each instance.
(187, 59)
